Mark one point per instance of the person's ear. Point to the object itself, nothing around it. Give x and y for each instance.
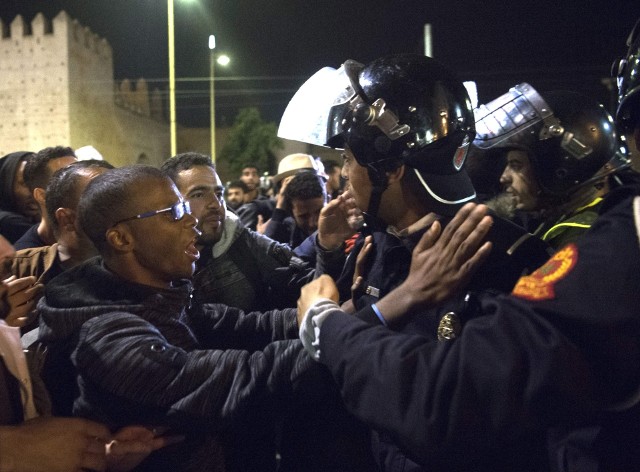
(120, 238)
(39, 195)
(66, 219)
(396, 174)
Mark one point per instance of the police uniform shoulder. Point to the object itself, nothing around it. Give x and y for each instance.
(618, 195)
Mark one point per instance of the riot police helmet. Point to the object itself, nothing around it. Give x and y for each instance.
(567, 136)
(399, 109)
(627, 73)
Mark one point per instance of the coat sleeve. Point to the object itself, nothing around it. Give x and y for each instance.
(226, 327)
(565, 346)
(128, 369)
(280, 267)
(277, 227)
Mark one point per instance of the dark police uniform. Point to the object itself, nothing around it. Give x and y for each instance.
(515, 253)
(548, 378)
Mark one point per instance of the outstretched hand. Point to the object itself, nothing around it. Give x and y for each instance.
(53, 445)
(442, 263)
(322, 287)
(132, 444)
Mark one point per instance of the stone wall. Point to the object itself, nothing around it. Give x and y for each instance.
(57, 88)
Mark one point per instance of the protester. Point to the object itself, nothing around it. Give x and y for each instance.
(300, 200)
(37, 173)
(257, 207)
(144, 353)
(235, 193)
(33, 441)
(18, 210)
(237, 266)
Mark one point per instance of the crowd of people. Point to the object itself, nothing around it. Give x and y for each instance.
(459, 294)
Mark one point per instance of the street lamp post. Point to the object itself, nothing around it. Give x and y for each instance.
(223, 60)
(212, 96)
(172, 80)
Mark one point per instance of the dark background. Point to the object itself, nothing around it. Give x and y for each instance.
(276, 44)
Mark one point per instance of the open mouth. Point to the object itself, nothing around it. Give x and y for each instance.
(192, 250)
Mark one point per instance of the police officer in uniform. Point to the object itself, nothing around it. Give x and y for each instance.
(555, 146)
(547, 378)
(405, 123)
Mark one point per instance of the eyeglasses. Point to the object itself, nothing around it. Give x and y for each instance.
(177, 213)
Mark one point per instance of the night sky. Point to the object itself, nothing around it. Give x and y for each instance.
(276, 44)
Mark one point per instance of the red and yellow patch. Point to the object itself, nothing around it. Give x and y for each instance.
(539, 285)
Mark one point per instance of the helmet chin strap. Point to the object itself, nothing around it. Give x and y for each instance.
(380, 182)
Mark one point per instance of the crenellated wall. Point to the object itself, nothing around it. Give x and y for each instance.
(57, 87)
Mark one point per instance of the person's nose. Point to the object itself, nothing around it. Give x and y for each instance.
(215, 202)
(505, 178)
(190, 220)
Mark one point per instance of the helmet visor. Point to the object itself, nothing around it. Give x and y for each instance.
(500, 121)
(316, 111)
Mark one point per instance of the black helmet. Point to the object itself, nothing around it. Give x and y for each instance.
(627, 72)
(399, 109)
(568, 136)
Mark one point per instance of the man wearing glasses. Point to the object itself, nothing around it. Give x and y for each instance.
(123, 322)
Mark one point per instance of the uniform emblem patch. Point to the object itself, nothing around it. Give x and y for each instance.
(461, 154)
(540, 284)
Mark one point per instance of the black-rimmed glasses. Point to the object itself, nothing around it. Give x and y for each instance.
(177, 213)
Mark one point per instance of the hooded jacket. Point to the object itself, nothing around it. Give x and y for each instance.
(142, 356)
(12, 224)
(248, 270)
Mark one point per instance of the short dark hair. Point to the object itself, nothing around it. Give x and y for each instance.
(305, 185)
(330, 165)
(62, 191)
(36, 171)
(238, 184)
(250, 166)
(111, 197)
(185, 161)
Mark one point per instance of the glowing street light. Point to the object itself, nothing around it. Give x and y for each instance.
(222, 60)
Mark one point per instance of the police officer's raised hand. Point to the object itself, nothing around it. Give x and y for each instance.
(442, 263)
(335, 222)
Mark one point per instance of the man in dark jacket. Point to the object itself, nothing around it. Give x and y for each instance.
(122, 324)
(245, 269)
(18, 210)
(298, 208)
(237, 266)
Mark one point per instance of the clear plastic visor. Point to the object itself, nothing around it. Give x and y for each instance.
(499, 120)
(311, 114)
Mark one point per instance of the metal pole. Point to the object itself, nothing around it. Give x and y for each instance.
(172, 80)
(428, 45)
(212, 96)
